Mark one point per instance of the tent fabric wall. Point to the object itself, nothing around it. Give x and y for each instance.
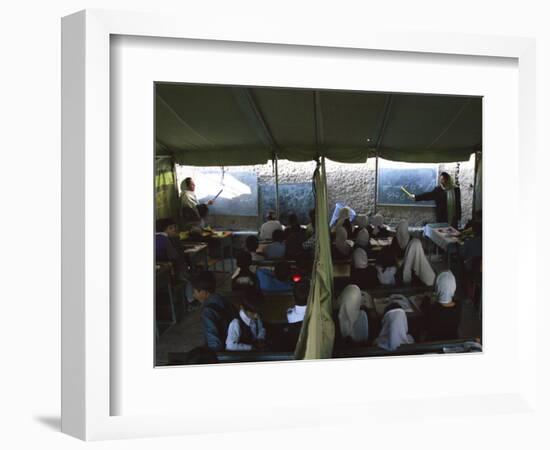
(166, 194)
(317, 334)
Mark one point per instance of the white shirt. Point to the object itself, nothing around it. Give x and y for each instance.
(234, 333)
(267, 229)
(296, 313)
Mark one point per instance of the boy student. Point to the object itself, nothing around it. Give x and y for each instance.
(246, 332)
(298, 311)
(277, 249)
(252, 245)
(216, 312)
(168, 248)
(243, 277)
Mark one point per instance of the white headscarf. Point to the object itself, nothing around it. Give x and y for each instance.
(363, 238)
(415, 260)
(376, 222)
(394, 330)
(341, 241)
(402, 234)
(445, 287)
(360, 258)
(350, 313)
(361, 220)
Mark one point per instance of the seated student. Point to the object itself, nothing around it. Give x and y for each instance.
(293, 226)
(271, 224)
(277, 249)
(471, 251)
(443, 316)
(168, 248)
(216, 312)
(353, 321)
(394, 329)
(342, 246)
(416, 264)
(386, 267)
(345, 213)
(361, 222)
(377, 229)
(243, 277)
(411, 257)
(251, 245)
(362, 274)
(246, 332)
(298, 311)
(277, 280)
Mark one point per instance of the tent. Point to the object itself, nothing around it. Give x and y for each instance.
(211, 125)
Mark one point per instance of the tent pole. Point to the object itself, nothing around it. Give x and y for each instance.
(276, 161)
(376, 184)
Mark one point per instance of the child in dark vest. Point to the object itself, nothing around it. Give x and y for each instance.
(246, 332)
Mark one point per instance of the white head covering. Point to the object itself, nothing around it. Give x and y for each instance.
(360, 258)
(376, 222)
(361, 220)
(402, 234)
(415, 260)
(445, 287)
(340, 241)
(394, 330)
(350, 312)
(362, 238)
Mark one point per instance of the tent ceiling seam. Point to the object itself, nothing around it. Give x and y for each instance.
(450, 124)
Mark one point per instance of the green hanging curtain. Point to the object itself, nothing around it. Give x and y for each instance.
(317, 335)
(166, 194)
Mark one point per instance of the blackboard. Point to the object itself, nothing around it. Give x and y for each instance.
(416, 180)
(239, 196)
(294, 198)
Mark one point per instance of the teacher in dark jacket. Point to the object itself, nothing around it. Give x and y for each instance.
(447, 200)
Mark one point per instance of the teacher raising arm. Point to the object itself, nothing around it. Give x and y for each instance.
(447, 200)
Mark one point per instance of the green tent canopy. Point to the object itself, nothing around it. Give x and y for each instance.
(213, 125)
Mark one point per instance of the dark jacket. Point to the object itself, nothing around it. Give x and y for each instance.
(440, 197)
(442, 322)
(216, 315)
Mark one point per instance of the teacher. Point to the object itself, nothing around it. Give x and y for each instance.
(189, 201)
(447, 200)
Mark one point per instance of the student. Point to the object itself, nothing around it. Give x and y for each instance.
(277, 249)
(251, 245)
(298, 311)
(342, 246)
(394, 330)
(216, 312)
(361, 222)
(386, 267)
(353, 321)
(293, 226)
(277, 280)
(271, 224)
(246, 332)
(377, 229)
(309, 244)
(168, 248)
(443, 316)
(243, 277)
(415, 262)
(362, 274)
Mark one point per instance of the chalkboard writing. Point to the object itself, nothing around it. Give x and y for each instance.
(295, 198)
(416, 180)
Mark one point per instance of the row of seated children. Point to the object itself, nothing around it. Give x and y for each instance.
(442, 317)
(403, 262)
(226, 328)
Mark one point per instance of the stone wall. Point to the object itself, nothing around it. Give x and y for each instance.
(354, 185)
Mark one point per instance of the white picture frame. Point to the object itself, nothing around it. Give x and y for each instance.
(87, 328)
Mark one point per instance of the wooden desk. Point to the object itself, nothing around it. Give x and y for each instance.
(196, 252)
(220, 244)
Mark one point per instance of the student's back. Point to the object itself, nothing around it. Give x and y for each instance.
(443, 322)
(216, 315)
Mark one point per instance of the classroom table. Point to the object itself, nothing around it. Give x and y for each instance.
(218, 242)
(196, 252)
(444, 237)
